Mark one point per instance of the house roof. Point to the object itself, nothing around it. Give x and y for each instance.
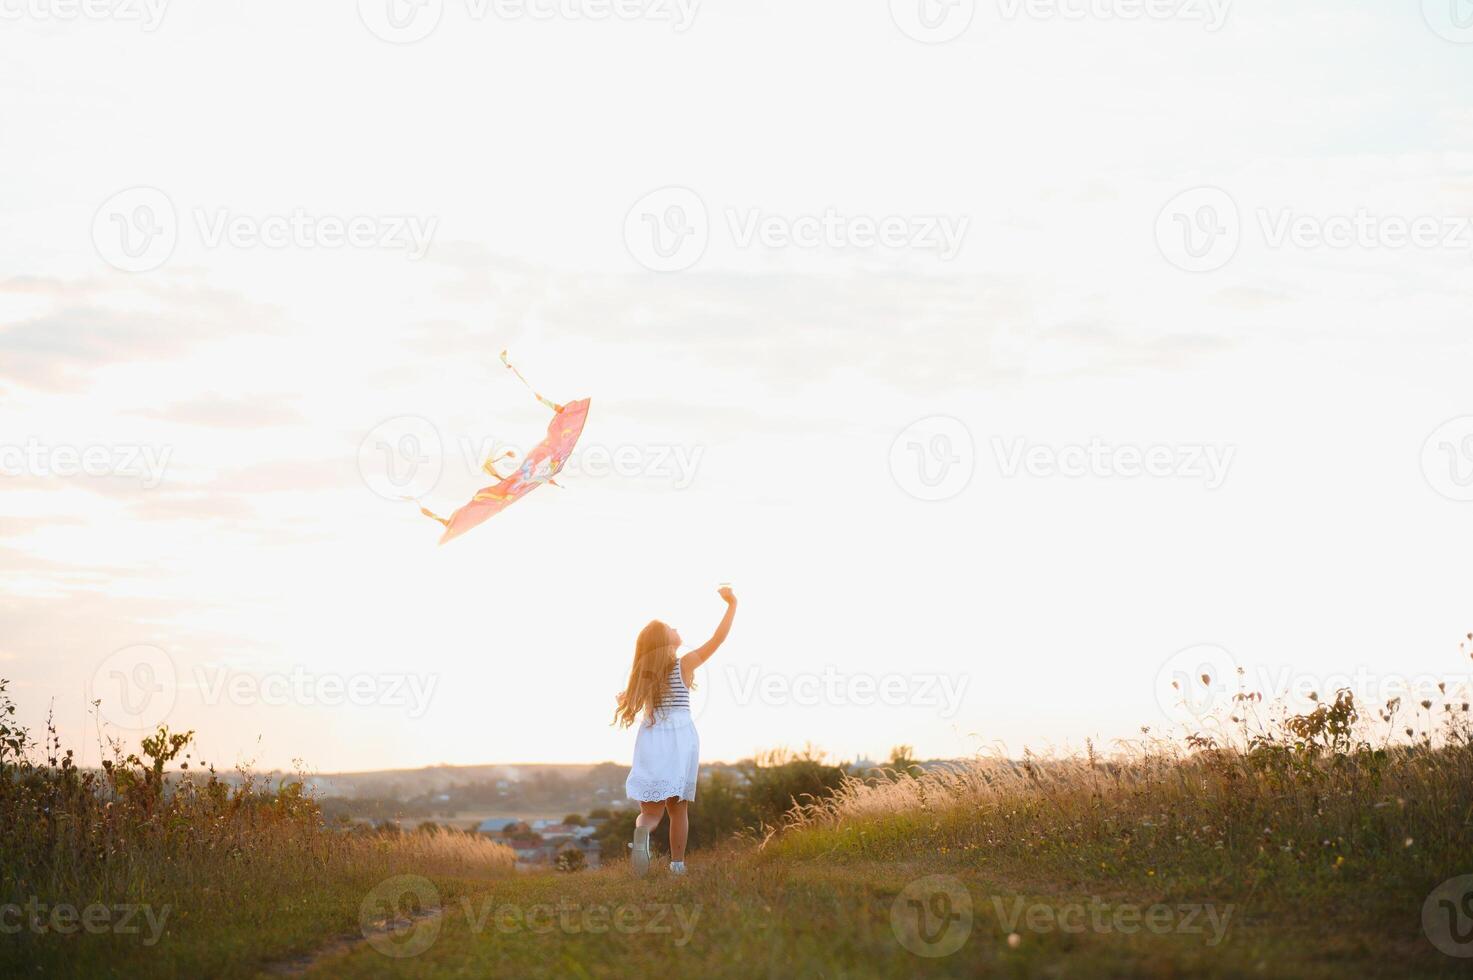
(495, 825)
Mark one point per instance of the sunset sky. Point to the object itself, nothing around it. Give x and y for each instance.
(257, 261)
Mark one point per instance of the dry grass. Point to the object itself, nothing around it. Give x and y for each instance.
(446, 852)
(1327, 829)
(1283, 806)
(234, 875)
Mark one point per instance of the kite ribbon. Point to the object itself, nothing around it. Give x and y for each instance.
(549, 403)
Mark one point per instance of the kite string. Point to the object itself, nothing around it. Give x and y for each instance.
(549, 403)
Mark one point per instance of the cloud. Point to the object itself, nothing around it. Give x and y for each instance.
(90, 326)
(914, 332)
(15, 527)
(292, 475)
(220, 412)
(26, 574)
(193, 507)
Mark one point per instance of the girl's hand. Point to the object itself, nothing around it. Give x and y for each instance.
(702, 653)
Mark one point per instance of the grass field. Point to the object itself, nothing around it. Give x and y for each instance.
(742, 914)
(1296, 848)
(1280, 862)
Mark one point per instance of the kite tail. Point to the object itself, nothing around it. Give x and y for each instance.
(549, 403)
(426, 512)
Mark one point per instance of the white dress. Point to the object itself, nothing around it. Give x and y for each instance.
(667, 750)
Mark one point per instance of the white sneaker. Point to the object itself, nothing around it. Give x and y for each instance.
(677, 867)
(639, 850)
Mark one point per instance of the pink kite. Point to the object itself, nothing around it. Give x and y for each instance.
(538, 467)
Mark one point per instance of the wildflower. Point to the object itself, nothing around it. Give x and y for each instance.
(1014, 940)
(1407, 842)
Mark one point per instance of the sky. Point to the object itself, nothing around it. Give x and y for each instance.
(1012, 360)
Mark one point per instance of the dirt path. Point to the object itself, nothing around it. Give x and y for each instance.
(347, 943)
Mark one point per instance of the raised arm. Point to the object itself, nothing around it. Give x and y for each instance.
(702, 653)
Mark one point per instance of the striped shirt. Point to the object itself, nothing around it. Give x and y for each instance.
(677, 696)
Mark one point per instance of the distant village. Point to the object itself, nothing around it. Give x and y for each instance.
(566, 846)
(516, 805)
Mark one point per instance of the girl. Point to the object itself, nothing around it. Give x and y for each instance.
(667, 750)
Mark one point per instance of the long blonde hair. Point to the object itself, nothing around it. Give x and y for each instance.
(654, 658)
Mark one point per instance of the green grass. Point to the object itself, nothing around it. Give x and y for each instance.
(239, 933)
(756, 914)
